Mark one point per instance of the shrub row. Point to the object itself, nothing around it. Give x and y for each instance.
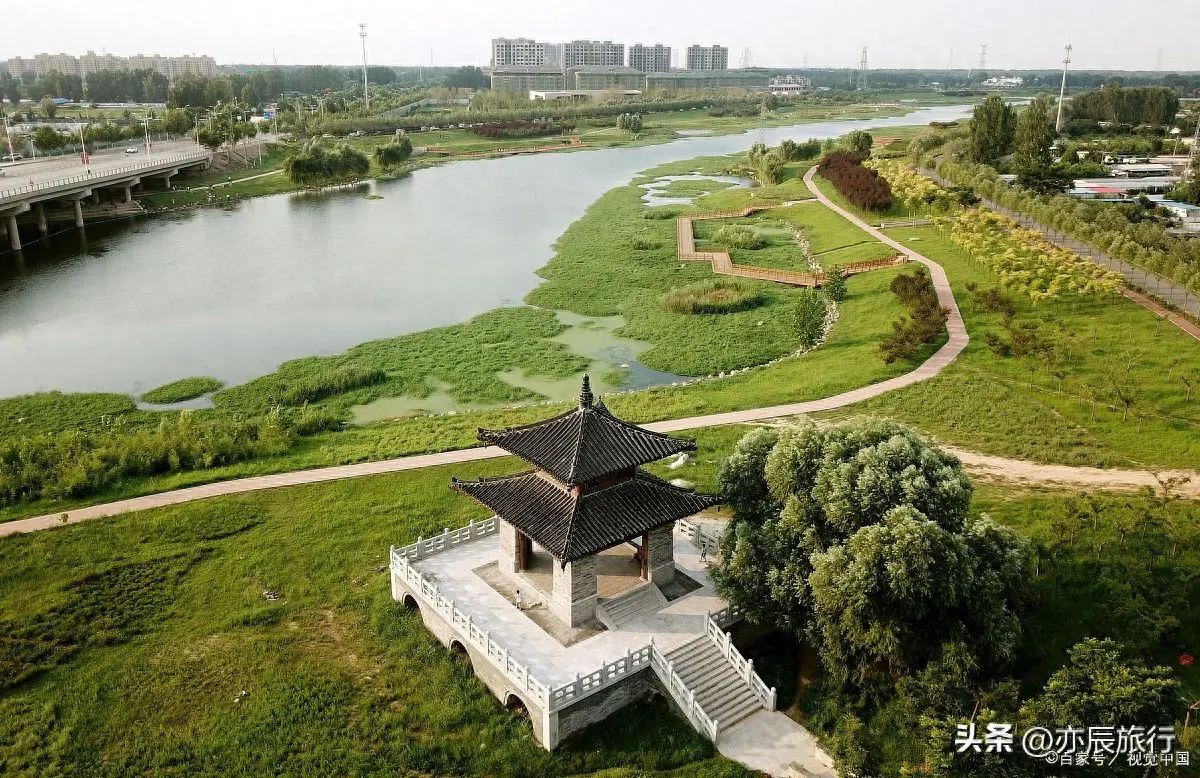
(863, 187)
(521, 129)
(75, 464)
(316, 164)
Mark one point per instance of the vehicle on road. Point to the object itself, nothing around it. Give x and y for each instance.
(12, 157)
(131, 150)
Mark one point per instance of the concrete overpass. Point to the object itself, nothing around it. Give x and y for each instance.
(73, 189)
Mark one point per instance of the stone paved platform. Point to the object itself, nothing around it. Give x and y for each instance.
(527, 642)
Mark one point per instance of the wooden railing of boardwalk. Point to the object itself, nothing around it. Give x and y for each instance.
(685, 242)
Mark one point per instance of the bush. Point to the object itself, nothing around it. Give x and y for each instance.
(738, 237)
(863, 187)
(717, 295)
(315, 164)
(808, 317)
(394, 153)
(326, 384)
(835, 285)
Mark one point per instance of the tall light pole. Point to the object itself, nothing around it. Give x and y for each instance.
(362, 33)
(8, 135)
(1062, 90)
(146, 126)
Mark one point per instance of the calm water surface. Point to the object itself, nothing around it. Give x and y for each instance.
(233, 293)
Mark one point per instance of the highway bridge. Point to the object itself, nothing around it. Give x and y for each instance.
(52, 188)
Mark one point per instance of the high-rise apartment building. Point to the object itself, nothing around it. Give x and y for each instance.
(585, 53)
(42, 64)
(524, 52)
(707, 58)
(650, 59)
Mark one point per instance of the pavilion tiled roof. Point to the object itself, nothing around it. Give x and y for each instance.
(585, 443)
(571, 524)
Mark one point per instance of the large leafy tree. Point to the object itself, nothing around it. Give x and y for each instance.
(993, 126)
(1034, 134)
(857, 537)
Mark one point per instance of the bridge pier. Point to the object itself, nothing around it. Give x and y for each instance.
(14, 237)
(78, 203)
(129, 194)
(40, 211)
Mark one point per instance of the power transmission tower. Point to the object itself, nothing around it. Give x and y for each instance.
(862, 70)
(747, 58)
(362, 33)
(983, 58)
(1062, 90)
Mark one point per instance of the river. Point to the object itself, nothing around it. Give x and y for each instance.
(233, 293)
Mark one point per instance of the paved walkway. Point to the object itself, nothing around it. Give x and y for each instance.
(771, 742)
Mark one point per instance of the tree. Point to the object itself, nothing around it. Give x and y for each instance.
(992, 128)
(808, 317)
(860, 142)
(188, 91)
(1099, 686)
(630, 122)
(467, 77)
(770, 102)
(1034, 134)
(176, 121)
(835, 285)
(857, 537)
(47, 139)
(218, 90)
(394, 153)
(49, 107)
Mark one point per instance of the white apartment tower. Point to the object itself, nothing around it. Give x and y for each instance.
(650, 59)
(583, 53)
(524, 52)
(707, 58)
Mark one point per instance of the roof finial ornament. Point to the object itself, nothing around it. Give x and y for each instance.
(585, 394)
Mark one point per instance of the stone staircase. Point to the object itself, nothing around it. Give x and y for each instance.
(630, 605)
(721, 692)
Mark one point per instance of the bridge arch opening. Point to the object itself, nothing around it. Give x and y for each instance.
(410, 603)
(515, 704)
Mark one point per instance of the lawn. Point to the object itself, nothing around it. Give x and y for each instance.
(1057, 404)
(130, 643)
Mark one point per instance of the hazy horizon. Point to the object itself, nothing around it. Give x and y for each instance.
(920, 34)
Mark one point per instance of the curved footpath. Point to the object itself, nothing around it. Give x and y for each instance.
(996, 468)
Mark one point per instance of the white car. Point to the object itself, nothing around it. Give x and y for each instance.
(11, 157)
(131, 150)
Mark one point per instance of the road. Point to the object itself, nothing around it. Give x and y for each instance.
(988, 467)
(46, 169)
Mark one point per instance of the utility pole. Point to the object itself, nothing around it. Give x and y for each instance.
(1062, 90)
(362, 33)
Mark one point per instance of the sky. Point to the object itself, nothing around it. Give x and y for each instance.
(1108, 34)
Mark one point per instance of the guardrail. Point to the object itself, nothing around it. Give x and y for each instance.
(684, 697)
(701, 538)
(460, 623)
(18, 192)
(741, 665)
(448, 539)
(611, 672)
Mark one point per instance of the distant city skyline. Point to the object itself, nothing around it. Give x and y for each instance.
(929, 34)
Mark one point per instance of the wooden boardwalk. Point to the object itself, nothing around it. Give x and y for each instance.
(685, 243)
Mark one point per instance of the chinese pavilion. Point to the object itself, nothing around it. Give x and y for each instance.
(585, 494)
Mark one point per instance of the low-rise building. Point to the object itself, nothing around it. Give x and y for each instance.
(607, 77)
(1145, 170)
(580, 95)
(745, 78)
(525, 79)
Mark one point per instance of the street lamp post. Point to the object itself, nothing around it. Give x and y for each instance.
(8, 135)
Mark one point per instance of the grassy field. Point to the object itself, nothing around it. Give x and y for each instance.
(129, 644)
(131, 639)
(183, 389)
